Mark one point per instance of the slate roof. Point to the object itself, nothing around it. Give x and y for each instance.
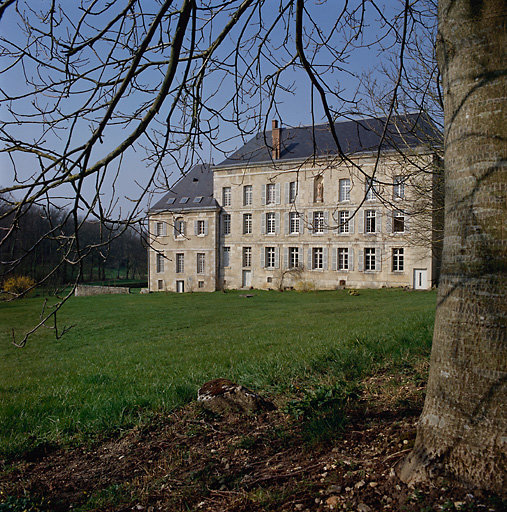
(357, 136)
(194, 191)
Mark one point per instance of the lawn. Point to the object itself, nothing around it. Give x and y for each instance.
(129, 356)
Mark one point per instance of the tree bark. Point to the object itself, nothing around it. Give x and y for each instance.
(462, 430)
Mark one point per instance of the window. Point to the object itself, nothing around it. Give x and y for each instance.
(293, 191)
(399, 187)
(226, 256)
(201, 227)
(160, 263)
(318, 222)
(270, 257)
(370, 189)
(247, 223)
(179, 227)
(160, 284)
(247, 256)
(318, 190)
(343, 259)
(344, 190)
(200, 284)
(369, 259)
(180, 263)
(398, 260)
(247, 195)
(370, 221)
(293, 257)
(226, 196)
(293, 223)
(317, 258)
(227, 223)
(200, 262)
(343, 219)
(398, 222)
(270, 193)
(159, 229)
(270, 224)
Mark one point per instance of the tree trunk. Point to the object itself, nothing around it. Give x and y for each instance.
(461, 432)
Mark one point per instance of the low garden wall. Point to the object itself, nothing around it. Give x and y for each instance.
(85, 290)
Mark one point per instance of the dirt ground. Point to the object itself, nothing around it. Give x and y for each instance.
(192, 461)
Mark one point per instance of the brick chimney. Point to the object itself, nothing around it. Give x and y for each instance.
(276, 133)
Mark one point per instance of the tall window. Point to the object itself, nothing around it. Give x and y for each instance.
(247, 223)
(318, 190)
(247, 256)
(227, 223)
(343, 259)
(370, 259)
(226, 256)
(270, 257)
(343, 219)
(200, 262)
(398, 260)
(247, 195)
(318, 222)
(398, 222)
(344, 189)
(294, 223)
(226, 196)
(370, 189)
(293, 257)
(370, 221)
(317, 258)
(180, 263)
(160, 263)
(399, 187)
(179, 227)
(293, 190)
(270, 193)
(201, 227)
(270, 224)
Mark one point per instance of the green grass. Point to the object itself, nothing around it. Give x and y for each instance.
(131, 355)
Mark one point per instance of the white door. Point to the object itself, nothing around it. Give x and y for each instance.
(180, 286)
(247, 278)
(420, 279)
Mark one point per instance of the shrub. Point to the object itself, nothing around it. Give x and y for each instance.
(16, 285)
(304, 286)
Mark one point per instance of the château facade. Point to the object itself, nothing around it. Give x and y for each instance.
(291, 213)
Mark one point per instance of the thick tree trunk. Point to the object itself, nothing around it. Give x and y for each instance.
(462, 430)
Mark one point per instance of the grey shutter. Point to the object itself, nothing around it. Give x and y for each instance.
(205, 227)
(263, 223)
(378, 259)
(277, 193)
(335, 258)
(406, 223)
(285, 257)
(324, 258)
(175, 229)
(326, 222)
(263, 250)
(301, 223)
(164, 229)
(287, 192)
(277, 223)
(351, 259)
(360, 221)
(351, 225)
(301, 254)
(183, 227)
(360, 260)
(389, 222)
(277, 257)
(286, 223)
(378, 223)
(196, 227)
(309, 254)
(263, 194)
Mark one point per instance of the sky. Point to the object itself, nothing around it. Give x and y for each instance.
(124, 180)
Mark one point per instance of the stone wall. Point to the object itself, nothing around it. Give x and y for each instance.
(87, 290)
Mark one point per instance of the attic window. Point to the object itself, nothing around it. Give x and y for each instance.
(197, 199)
(184, 200)
(170, 200)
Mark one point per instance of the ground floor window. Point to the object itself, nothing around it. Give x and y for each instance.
(398, 260)
(270, 257)
(317, 258)
(370, 259)
(247, 256)
(226, 256)
(200, 263)
(293, 257)
(160, 263)
(343, 259)
(200, 284)
(180, 263)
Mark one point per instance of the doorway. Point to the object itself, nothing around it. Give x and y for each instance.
(180, 286)
(420, 279)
